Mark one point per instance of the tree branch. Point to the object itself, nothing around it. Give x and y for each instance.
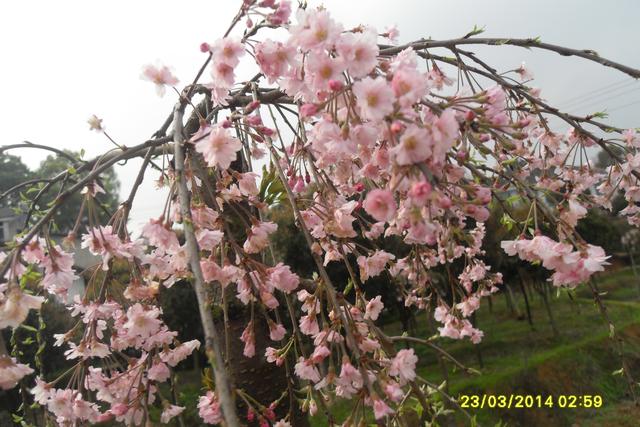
(213, 343)
(587, 54)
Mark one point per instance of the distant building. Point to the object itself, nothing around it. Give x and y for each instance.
(11, 224)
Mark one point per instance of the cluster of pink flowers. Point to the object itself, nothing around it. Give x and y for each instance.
(571, 267)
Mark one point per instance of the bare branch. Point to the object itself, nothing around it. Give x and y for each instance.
(526, 43)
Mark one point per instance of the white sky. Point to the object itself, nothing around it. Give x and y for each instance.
(63, 61)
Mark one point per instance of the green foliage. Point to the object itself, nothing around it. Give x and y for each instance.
(601, 228)
(12, 173)
(67, 214)
(474, 32)
(272, 191)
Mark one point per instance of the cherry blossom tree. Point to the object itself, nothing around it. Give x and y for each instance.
(367, 141)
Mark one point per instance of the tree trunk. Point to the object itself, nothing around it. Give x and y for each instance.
(515, 310)
(526, 298)
(260, 379)
(547, 306)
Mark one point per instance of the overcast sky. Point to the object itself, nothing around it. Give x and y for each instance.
(63, 61)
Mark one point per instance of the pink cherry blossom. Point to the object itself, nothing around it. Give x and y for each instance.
(306, 370)
(41, 391)
(323, 69)
(309, 325)
(381, 409)
(247, 184)
(276, 331)
(161, 76)
(142, 321)
(374, 307)
(174, 356)
(219, 148)
(272, 356)
(414, 146)
(258, 237)
(11, 372)
(320, 353)
(159, 236)
(249, 339)
(380, 204)
(575, 212)
(102, 241)
(170, 412)
(15, 305)
(209, 408)
(374, 97)
(359, 51)
(274, 58)
(420, 192)
(59, 274)
(409, 86)
(373, 265)
(281, 14)
(315, 29)
(226, 51)
(281, 277)
(403, 365)
(208, 239)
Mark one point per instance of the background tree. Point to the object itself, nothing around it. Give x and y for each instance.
(12, 172)
(66, 217)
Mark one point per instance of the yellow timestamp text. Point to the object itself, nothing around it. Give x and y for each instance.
(527, 401)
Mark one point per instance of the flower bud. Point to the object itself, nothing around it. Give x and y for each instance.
(335, 85)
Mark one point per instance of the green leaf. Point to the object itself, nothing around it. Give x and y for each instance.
(510, 162)
(507, 221)
(513, 199)
(272, 189)
(207, 379)
(28, 327)
(474, 32)
(348, 288)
